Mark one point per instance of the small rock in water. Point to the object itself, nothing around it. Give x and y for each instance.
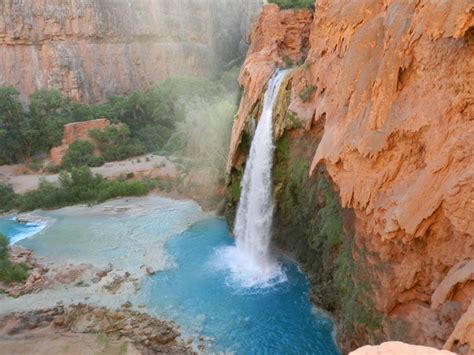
(95, 279)
(127, 304)
(101, 274)
(149, 270)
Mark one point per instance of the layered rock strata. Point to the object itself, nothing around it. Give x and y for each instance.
(93, 49)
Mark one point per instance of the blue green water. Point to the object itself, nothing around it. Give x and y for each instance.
(276, 320)
(15, 231)
(191, 288)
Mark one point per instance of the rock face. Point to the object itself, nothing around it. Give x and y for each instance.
(391, 87)
(276, 36)
(92, 49)
(76, 131)
(149, 335)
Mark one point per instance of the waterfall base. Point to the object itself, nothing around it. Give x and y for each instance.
(245, 273)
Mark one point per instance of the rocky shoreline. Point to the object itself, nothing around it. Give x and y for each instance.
(131, 331)
(145, 334)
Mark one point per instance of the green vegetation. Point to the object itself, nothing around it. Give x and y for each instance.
(7, 198)
(115, 142)
(9, 272)
(293, 4)
(81, 153)
(180, 115)
(79, 186)
(307, 207)
(307, 93)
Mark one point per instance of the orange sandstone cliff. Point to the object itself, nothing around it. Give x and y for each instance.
(386, 96)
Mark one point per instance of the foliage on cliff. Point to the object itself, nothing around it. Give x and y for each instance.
(307, 207)
(293, 4)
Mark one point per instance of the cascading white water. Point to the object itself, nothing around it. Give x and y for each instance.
(255, 211)
(250, 261)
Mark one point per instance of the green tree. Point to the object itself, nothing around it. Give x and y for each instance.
(79, 153)
(49, 111)
(115, 142)
(7, 198)
(8, 272)
(15, 130)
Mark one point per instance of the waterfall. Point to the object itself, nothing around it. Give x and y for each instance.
(250, 261)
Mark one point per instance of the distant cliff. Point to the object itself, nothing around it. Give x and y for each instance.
(374, 164)
(91, 49)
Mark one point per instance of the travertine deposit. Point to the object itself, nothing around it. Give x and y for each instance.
(392, 86)
(91, 49)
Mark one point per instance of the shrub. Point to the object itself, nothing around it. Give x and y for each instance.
(79, 153)
(307, 93)
(46, 196)
(8, 198)
(294, 4)
(79, 186)
(8, 272)
(96, 161)
(116, 144)
(52, 168)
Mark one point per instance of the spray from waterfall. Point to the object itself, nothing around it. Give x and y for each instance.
(250, 261)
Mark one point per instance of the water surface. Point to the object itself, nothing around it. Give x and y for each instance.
(204, 300)
(192, 288)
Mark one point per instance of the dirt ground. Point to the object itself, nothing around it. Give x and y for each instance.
(149, 164)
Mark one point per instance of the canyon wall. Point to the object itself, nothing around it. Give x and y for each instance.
(91, 49)
(382, 108)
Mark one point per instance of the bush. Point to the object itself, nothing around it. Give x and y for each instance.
(81, 153)
(8, 198)
(294, 4)
(79, 186)
(52, 168)
(8, 272)
(115, 143)
(46, 196)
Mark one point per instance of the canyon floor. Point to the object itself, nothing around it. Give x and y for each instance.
(22, 180)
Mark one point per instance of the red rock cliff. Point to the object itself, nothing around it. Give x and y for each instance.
(391, 84)
(92, 49)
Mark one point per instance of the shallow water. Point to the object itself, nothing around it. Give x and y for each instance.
(192, 288)
(15, 231)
